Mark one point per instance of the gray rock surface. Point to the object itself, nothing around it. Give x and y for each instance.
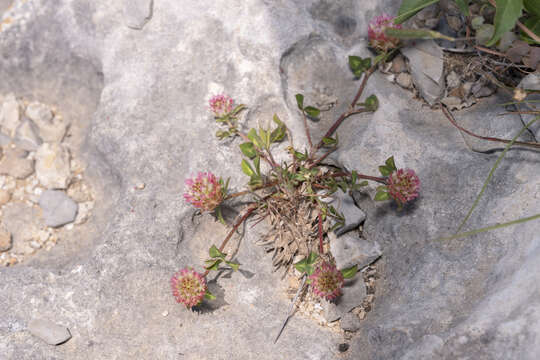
(139, 96)
(345, 205)
(22, 221)
(531, 82)
(51, 128)
(426, 63)
(137, 13)
(48, 331)
(52, 166)
(354, 292)
(58, 208)
(349, 250)
(350, 322)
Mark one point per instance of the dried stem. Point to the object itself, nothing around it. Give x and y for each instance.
(321, 249)
(450, 118)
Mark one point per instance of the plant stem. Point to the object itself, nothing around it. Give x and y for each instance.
(345, 115)
(240, 193)
(321, 249)
(361, 176)
(450, 118)
(250, 210)
(307, 130)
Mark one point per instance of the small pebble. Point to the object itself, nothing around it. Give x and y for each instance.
(343, 347)
(165, 313)
(140, 186)
(49, 332)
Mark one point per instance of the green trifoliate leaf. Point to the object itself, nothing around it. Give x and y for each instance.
(477, 21)
(208, 295)
(215, 253)
(300, 156)
(257, 163)
(278, 134)
(300, 101)
(257, 141)
(238, 108)
(329, 141)
(301, 266)
(312, 257)
(312, 112)
(372, 103)
(382, 196)
(212, 264)
(248, 149)
(390, 163)
(350, 272)
(246, 168)
(233, 265)
(384, 170)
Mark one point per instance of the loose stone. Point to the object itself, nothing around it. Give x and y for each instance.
(52, 166)
(51, 333)
(5, 239)
(58, 208)
(349, 250)
(9, 115)
(26, 136)
(13, 165)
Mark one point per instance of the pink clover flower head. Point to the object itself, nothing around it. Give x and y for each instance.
(188, 287)
(204, 192)
(327, 281)
(403, 185)
(377, 38)
(221, 105)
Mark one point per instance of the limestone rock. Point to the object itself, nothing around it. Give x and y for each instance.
(52, 128)
(345, 205)
(350, 322)
(52, 166)
(137, 13)
(5, 238)
(426, 63)
(22, 221)
(353, 293)
(48, 331)
(5, 196)
(9, 115)
(58, 208)
(26, 136)
(14, 165)
(349, 250)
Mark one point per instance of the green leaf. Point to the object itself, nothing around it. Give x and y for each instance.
(215, 253)
(384, 170)
(312, 257)
(278, 134)
(532, 7)
(300, 101)
(409, 8)
(484, 33)
(463, 6)
(212, 264)
(533, 24)
(233, 265)
(246, 168)
(382, 188)
(301, 266)
(248, 149)
(391, 163)
(381, 196)
(312, 112)
(416, 34)
(238, 109)
(506, 16)
(350, 272)
(277, 120)
(209, 296)
(265, 137)
(329, 141)
(372, 103)
(257, 163)
(257, 141)
(359, 65)
(300, 156)
(477, 21)
(354, 177)
(255, 180)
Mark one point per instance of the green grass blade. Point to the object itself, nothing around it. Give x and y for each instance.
(493, 171)
(488, 228)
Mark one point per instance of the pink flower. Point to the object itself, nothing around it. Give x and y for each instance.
(221, 105)
(403, 185)
(327, 281)
(188, 287)
(205, 191)
(377, 38)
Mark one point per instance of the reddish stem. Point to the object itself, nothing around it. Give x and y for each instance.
(450, 118)
(321, 250)
(361, 176)
(233, 230)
